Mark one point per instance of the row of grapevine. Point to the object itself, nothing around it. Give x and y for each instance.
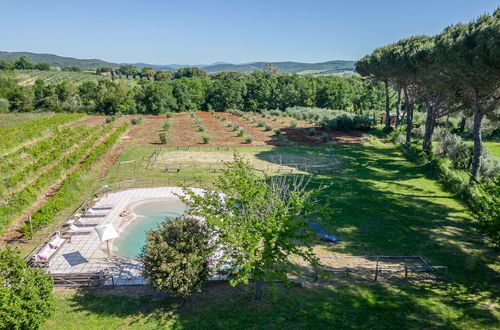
(13, 136)
(44, 153)
(14, 161)
(21, 200)
(61, 200)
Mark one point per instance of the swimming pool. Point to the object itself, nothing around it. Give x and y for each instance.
(148, 215)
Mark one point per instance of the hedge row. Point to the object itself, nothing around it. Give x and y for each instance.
(46, 214)
(20, 201)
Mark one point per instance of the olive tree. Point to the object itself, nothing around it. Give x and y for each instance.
(257, 223)
(26, 299)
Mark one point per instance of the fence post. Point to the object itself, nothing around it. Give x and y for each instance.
(376, 270)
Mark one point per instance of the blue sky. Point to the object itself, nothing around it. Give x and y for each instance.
(238, 31)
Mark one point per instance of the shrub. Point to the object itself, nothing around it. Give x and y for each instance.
(260, 123)
(229, 124)
(109, 119)
(176, 256)
(490, 167)
(325, 137)
(268, 127)
(166, 125)
(163, 138)
(452, 146)
(4, 105)
(169, 115)
(206, 139)
(293, 124)
(192, 114)
(26, 299)
(241, 132)
(311, 131)
(201, 127)
(235, 126)
(248, 139)
(277, 132)
(136, 120)
(397, 137)
(211, 112)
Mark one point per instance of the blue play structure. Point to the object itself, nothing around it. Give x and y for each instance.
(322, 232)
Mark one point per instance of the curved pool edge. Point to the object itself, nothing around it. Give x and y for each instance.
(121, 223)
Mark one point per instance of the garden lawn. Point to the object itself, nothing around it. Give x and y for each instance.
(378, 204)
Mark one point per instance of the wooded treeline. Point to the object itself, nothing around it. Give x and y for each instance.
(456, 72)
(193, 89)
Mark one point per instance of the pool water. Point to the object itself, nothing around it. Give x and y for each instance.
(148, 216)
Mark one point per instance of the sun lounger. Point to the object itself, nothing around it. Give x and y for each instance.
(76, 230)
(103, 207)
(97, 215)
(81, 224)
(48, 251)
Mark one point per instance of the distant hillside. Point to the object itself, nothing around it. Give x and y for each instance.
(287, 67)
(55, 60)
(330, 67)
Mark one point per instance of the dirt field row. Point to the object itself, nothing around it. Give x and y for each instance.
(184, 132)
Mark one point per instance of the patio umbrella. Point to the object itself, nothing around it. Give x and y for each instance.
(106, 232)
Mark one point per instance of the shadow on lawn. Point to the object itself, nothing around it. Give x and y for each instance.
(222, 307)
(376, 207)
(372, 218)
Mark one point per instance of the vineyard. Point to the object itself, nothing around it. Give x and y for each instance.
(45, 155)
(28, 77)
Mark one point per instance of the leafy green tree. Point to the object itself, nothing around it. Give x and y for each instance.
(163, 76)
(226, 94)
(104, 69)
(190, 72)
(23, 63)
(406, 69)
(155, 97)
(260, 87)
(257, 224)
(114, 97)
(147, 72)
(6, 65)
(334, 93)
(128, 70)
(468, 57)
(176, 256)
(375, 66)
(89, 91)
(26, 299)
(42, 66)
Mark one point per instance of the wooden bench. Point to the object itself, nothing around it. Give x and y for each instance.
(173, 169)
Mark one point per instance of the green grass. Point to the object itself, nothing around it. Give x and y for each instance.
(11, 119)
(379, 204)
(493, 147)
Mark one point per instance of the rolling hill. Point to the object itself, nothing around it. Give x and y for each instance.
(329, 67)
